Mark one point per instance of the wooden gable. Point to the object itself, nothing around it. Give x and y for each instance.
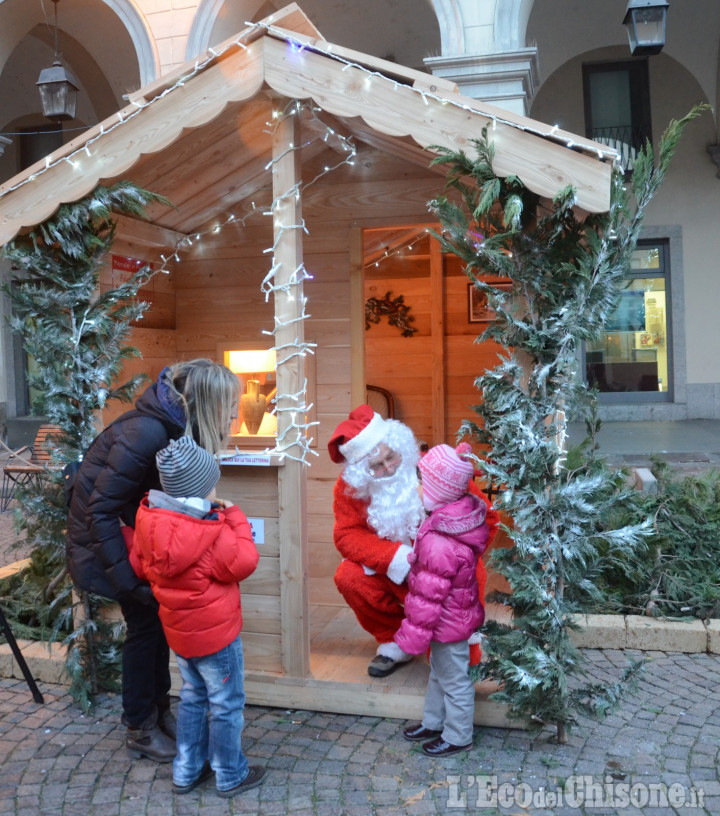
(208, 138)
(211, 113)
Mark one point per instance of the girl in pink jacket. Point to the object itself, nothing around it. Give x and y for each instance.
(443, 606)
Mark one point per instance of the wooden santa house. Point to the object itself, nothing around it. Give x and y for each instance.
(300, 174)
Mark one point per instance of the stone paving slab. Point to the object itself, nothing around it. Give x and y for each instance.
(658, 754)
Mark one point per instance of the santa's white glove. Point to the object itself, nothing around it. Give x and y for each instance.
(399, 566)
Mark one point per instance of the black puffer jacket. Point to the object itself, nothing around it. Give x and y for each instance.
(116, 472)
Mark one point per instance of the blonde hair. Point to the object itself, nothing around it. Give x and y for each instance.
(209, 394)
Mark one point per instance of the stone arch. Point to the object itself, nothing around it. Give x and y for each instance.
(511, 20)
(20, 20)
(137, 27)
(452, 32)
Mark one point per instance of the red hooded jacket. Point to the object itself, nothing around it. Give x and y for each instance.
(194, 566)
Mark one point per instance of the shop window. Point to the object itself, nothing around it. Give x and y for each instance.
(631, 362)
(617, 106)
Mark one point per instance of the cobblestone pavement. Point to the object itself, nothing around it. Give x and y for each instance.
(658, 752)
(657, 755)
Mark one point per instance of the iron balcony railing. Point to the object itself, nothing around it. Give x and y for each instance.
(626, 140)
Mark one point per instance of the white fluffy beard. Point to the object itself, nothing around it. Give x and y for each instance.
(395, 510)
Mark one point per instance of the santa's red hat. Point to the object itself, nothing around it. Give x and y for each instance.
(357, 436)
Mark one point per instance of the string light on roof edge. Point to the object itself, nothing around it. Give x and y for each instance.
(302, 441)
(200, 65)
(424, 94)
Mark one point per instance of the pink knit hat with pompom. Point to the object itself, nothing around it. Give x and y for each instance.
(445, 474)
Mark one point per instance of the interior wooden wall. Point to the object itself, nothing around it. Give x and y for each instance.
(255, 490)
(403, 364)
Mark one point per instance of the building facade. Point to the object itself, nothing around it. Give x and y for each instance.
(560, 63)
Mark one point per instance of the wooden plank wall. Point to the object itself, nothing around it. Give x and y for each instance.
(255, 491)
(154, 335)
(403, 364)
(465, 359)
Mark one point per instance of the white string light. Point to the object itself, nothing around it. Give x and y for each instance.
(294, 440)
(299, 46)
(389, 253)
(302, 440)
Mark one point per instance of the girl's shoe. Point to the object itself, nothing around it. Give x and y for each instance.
(439, 748)
(415, 733)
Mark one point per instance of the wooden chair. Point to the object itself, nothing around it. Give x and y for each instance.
(380, 400)
(26, 464)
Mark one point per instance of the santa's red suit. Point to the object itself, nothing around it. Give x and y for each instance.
(372, 575)
(363, 578)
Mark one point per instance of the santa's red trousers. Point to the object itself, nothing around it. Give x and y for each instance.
(375, 599)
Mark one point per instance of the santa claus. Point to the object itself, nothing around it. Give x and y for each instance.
(377, 513)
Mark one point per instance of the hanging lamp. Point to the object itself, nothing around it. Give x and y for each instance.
(58, 87)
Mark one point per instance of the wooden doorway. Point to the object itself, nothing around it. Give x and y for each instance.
(430, 372)
(404, 324)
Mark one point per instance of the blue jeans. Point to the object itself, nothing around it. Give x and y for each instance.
(210, 717)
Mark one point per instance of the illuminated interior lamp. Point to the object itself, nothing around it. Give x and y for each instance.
(58, 87)
(253, 363)
(645, 21)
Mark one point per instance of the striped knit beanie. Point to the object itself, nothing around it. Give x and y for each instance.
(186, 469)
(446, 474)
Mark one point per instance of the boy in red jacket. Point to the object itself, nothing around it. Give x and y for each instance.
(193, 550)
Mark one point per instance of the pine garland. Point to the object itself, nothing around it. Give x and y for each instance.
(566, 278)
(77, 335)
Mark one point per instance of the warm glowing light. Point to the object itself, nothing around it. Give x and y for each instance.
(252, 361)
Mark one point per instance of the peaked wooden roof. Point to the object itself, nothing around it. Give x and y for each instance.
(204, 127)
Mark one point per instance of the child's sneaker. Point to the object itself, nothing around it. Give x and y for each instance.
(256, 774)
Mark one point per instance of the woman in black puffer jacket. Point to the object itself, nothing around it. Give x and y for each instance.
(197, 398)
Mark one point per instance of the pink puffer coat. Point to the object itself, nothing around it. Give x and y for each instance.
(443, 603)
